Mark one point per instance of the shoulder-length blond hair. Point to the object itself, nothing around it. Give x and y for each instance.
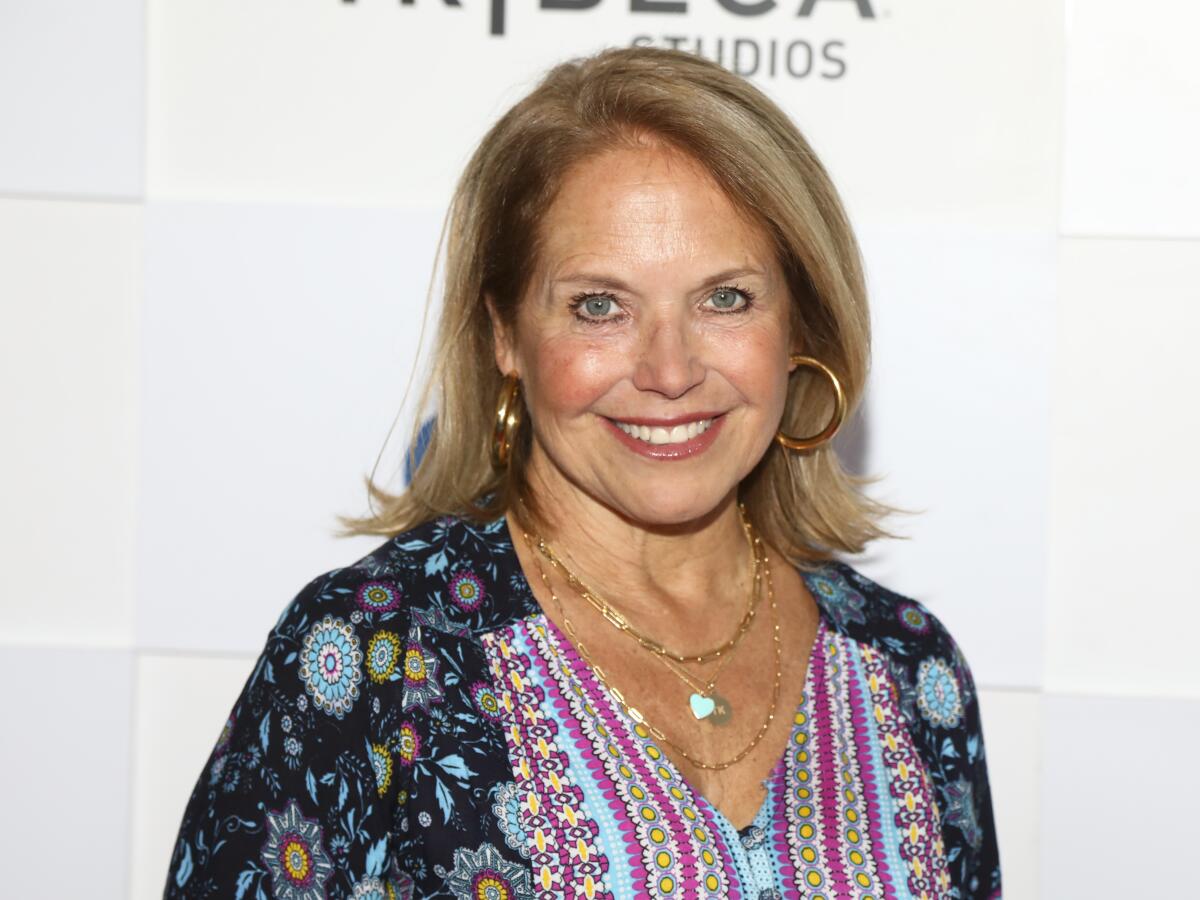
(805, 504)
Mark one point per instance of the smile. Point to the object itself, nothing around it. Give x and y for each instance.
(661, 440)
(657, 434)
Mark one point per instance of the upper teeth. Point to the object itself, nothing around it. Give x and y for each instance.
(659, 435)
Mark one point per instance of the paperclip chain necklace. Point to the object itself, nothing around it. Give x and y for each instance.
(705, 703)
(619, 622)
(634, 713)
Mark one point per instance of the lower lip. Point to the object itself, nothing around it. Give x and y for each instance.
(688, 448)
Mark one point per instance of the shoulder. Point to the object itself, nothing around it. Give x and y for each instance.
(382, 583)
(901, 627)
(929, 673)
(447, 574)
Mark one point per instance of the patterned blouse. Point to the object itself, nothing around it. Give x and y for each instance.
(416, 727)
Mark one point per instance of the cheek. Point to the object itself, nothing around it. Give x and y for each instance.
(568, 377)
(756, 362)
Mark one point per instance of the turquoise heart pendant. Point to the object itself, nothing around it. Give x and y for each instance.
(702, 707)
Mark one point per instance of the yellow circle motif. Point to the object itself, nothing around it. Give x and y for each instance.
(805, 811)
(851, 815)
(856, 858)
(640, 730)
(664, 773)
(414, 665)
(676, 793)
(490, 887)
(637, 792)
(699, 834)
(802, 756)
(803, 793)
(707, 856)
(296, 860)
(806, 831)
(648, 814)
(808, 854)
(625, 771)
(663, 859)
(801, 718)
(814, 878)
(849, 795)
(381, 673)
(666, 885)
(657, 835)
(689, 814)
(863, 880)
(712, 882)
(653, 752)
(852, 836)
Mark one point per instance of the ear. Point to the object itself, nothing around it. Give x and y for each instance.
(503, 340)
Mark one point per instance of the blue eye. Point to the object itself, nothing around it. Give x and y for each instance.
(730, 299)
(597, 306)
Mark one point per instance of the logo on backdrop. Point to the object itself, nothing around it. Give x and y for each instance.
(773, 57)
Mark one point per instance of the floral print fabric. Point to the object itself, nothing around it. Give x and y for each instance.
(415, 727)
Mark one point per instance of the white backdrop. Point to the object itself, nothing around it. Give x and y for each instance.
(217, 230)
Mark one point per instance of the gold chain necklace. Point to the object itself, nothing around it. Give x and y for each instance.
(705, 703)
(619, 622)
(634, 713)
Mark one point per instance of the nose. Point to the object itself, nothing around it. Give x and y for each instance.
(666, 360)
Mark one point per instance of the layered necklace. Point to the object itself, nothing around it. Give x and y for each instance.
(704, 702)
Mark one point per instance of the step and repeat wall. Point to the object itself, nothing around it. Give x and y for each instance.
(218, 230)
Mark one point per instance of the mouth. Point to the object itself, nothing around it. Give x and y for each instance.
(679, 438)
(665, 434)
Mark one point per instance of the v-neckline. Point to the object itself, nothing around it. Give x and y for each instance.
(585, 679)
(772, 783)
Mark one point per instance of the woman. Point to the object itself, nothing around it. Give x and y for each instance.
(605, 650)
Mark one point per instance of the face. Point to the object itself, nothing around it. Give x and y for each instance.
(652, 342)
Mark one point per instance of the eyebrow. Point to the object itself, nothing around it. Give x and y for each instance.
(608, 281)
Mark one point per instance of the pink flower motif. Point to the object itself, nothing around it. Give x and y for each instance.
(378, 597)
(466, 590)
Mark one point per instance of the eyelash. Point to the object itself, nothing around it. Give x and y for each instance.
(578, 300)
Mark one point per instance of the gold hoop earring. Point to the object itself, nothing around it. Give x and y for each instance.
(839, 409)
(508, 420)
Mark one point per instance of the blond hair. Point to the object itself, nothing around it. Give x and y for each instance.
(804, 504)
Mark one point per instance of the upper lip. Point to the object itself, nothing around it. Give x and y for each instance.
(651, 422)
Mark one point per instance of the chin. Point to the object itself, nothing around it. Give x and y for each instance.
(665, 504)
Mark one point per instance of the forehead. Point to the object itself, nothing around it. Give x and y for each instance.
(652, 206)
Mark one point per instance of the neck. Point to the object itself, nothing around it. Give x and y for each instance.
(656, 573)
